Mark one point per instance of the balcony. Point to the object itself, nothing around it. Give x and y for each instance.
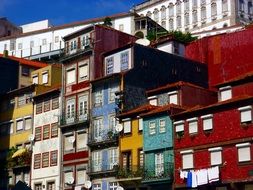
(73, 119)
(75, 49)
(19, 158)
(159, 172)
(103, 138)
(102, 169)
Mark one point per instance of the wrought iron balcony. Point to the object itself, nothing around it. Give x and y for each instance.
(102, 169)
(130, 172)
(158, 172)
(106, 138)
(73, 119)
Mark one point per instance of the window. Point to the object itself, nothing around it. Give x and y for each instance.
(121, 27)
(81, 174)
(193, 125)
(156, 15)
(21, 100)
(179, 22)
(53, 158)
(83, 72)
(153, 100)
(186, 5)
(224, 6)
(10, 127)
(215, 156)
(112, 123)
(244, 153)
(195, 3)
(98, 96)
(141, 157)
(225, 93)
(179, 127)
(159, 164)
(55, 103)
(112, 89)
(19, 45)
(28, 123)
(250, 8)
(70, 110)
(109, 65)
(81, 140)
(37, 133)
(68, 174)
(127, 126)
(45, 159)
(241, 5)
(140, 121)
(46, 131)
(38, 186)
(19, 125)
(44, 41)
(163, 13)
(246, 114)
(35, 79)
(149, 14)
(96, 161)
(83, 107)
(203, 2)
(56, 39)
(45, 77)
(207, 122)
(39, 108)
(97, 186)
(178, 5)
(213, 10)
(171, 24)
(98, 128)
(46, 105)
(163, 24)
(173, 97)
(27, 177)
(69, 142)
(171, 10)
(194, 17)
(12, 45)
(113, 185)
(71, 76)
(37, 161)
(203, 13)
(162, 128)
(187, 159)
(186, 19)
(127, 160)
(51, 185)
(124, 60)
(86, 41)
(54, 130)
(113, 157)
(152, 128)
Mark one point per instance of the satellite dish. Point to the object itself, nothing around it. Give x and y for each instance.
(71, 139)
(87, 184)
(70, 180)
(144, 42)
(119, 127)
(31, 137)
(120, 188)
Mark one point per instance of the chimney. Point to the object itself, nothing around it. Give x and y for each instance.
(5, 53)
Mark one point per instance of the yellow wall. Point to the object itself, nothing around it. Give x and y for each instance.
(133, 142)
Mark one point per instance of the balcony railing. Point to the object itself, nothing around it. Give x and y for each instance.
(158, 172)
(95, 168)
(105, 137)
(77, 47)
(73, 119)
(130, 172)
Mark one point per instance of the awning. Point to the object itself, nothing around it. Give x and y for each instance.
(19, 152)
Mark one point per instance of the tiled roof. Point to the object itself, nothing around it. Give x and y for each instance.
(23, 61)
(141, 109)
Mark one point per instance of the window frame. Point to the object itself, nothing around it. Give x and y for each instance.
(244, 146)
(38, 156)
(189, 153)
(151, 129)
(213, 161)
(245, 110)
(204, 120)
(53, 161)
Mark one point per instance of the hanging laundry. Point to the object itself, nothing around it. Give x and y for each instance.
(202, 178)
(194, 180)
(189, 179)
(183, 174)
(213, 174)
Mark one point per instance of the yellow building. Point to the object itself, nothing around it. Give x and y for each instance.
(130, 147)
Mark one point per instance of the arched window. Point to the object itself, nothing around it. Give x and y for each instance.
(224, 6)
(171, 10)
(241, 5)
(194, 17)
(186, 19)
(178, 5)
(250, 8)
(163, 13)
(179, 22)
(203, 13)
(156, 15)
(213, 10)
(149, 14)
(186, 5)
(171, 24)
(194, 3)
(163, 23)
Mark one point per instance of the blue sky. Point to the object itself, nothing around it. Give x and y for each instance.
(61, 11)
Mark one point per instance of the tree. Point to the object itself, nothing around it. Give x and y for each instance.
(107, 21)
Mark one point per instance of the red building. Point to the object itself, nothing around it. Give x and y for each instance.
(82, 62)
(220, 135)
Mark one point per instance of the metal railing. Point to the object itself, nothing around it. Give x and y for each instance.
(158, 171)
(76, 47)
(103, 136)
(130, 172)
(96, 167)
(73, 118)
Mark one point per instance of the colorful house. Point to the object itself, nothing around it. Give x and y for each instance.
(222, 134)
(131, 153)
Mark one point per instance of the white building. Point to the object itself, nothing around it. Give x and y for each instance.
(46, 43)
(197, 15)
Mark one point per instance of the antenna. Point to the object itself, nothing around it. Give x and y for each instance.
(144, 42)
(87, 184)
(120, 188)
(119, 127)
(70, 180)
(71, 139)
(31, 137)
